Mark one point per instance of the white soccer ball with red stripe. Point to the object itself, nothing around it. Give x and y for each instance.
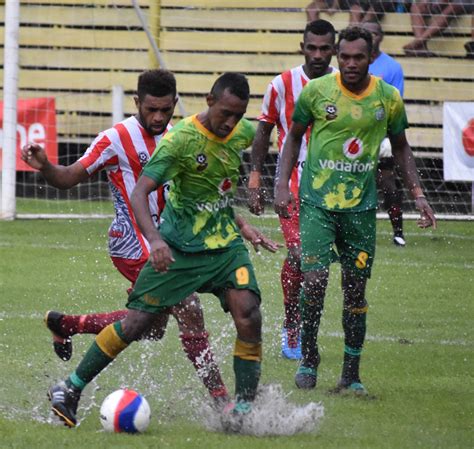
(125, 411)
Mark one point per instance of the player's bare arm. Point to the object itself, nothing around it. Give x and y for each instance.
(289, 157)
(255, 237)
(405, 160)
(160, 253)
(59, 176)
(259, 152)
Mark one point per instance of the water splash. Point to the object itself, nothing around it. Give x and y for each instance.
(272, 415)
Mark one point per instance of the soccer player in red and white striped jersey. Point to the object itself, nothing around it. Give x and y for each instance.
(121, 152)
(318, 47)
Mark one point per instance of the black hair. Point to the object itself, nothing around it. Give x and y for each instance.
(320, 28)
(157, 83)
(236, 83)
(353, 33)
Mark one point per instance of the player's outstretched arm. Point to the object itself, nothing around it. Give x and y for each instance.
(255, 237)
(160, 253)
(289, 157)
(259, 152)
(406, 162)
(60, 176)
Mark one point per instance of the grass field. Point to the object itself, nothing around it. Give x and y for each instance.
(418, 359)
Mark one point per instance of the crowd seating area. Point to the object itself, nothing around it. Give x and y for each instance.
(77, 50)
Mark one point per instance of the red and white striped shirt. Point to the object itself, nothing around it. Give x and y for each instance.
(277, 108)
(122, 151)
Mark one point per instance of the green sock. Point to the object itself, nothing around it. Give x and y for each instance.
(310, 319)
(247, 376)
(107, 345)
(354, 325)
(350, 368)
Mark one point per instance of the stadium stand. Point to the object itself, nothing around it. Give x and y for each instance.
(76, 50)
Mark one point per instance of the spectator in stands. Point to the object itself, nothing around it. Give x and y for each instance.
(317, 6)
(429, 18)
(391, 72)
(469, 46)
(360, 10)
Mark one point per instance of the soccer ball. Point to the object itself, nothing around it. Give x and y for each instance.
(125, 411)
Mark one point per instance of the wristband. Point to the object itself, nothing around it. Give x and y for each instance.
(417, 192)
(254, 179)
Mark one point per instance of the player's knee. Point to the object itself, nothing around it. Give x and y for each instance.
(248, 315)
(155, 333)
(315, 284)
(354, 299)
(136, 324)
(190, 304)
(354, 293)
(189, 315)
(354, 284)
(133, 333)
(294, 258)
(251, 313)
(193, 324)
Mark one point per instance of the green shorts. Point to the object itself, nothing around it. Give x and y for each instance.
(352, 233)
(204, 272)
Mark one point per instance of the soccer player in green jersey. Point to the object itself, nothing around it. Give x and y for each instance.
(350, 113)
(198, 246)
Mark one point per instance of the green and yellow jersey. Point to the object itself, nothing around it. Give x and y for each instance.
(204, 169)
(339, 172)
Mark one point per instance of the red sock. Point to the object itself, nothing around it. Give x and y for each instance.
(291, 281)
(91, 323)
(199, 352)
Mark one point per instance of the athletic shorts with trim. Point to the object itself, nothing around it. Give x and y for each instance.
(352, 233)
(129, 268)
(205, 272)
(290, 227)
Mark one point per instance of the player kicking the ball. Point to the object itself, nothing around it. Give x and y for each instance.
(196, 247)
(121, 152)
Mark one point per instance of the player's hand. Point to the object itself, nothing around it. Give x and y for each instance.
(256, 201)
(427, 217)
(283, 198)
(34, 155)
(257, 239)
(160, 255)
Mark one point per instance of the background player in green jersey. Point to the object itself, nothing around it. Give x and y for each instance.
(198, 246)
(350, 113)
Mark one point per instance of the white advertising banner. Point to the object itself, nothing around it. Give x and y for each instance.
(458, 141)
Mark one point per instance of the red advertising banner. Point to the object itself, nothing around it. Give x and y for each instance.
(36, 124)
